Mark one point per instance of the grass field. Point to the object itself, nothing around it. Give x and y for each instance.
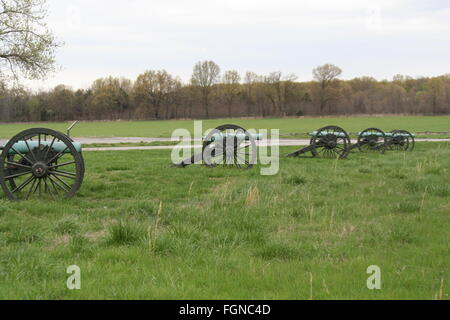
(288, 127)
(309, 232)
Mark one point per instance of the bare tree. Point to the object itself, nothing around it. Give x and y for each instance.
(110, 97)
(231, 87)
(206, 74)
(272, 87)
(27, 47)
(175, 98)
(251, 81)
(326, 76)
(156, 94)
(276, 88)
(152, 91)
(60, 102)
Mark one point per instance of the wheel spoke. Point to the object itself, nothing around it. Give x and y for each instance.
(47, 188)
(65, 173)
(58, 155)
(243, 160)
(23, 185)
(61, 175)
(23, 156)
(217, 155)
(38, 186)
(29, 149)
(31, 189)
(62, 164)
(17, 175)
(55, 183)
(13, 163)
(49, 148)
(62, 181)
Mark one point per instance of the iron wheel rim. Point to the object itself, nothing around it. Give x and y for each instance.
(242, 154)
(41, 171)
(372, 140)
(331, 142)
(402, 140)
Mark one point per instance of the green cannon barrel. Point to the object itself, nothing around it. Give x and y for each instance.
(386, 134)
(404, 135)
(373, 134)
(57, 146)
(239, 136)
(337, 134)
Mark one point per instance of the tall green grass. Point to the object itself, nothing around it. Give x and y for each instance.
(140, 229)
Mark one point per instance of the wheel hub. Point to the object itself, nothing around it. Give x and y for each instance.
(331, 144)
(40, 169)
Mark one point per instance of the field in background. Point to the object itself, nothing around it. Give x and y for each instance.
(308, 233)
(291, 127)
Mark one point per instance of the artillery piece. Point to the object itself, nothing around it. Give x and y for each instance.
(330, 142)
(400, 140)
(375, 140)
(227, 145)
(371, 140)
(39, 163)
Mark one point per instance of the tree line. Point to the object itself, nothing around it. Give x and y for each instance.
(28, 47)
(210, 93)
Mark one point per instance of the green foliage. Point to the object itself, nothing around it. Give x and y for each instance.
(67, 226)
(296, 180)
(125, 233)
(158, 95)
(27, 46)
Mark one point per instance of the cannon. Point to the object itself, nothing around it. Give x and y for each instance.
(228, 145)
(371, 140)
(41, 163)
(400, 140)
(329, 142)
(375, 140)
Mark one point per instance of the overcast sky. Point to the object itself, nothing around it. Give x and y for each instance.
(124, 38)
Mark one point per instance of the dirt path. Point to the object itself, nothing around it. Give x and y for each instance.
(283, 143)
(117, 140)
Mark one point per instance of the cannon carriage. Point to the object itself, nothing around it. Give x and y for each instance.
(400, 140)
(334, 142)
(41, 163)
(229, 146)
(329, 142)
(376, 140)
(371, 140)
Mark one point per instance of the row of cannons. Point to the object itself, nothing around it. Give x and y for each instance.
(39, 162)
(335, 142)
(233, 145)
